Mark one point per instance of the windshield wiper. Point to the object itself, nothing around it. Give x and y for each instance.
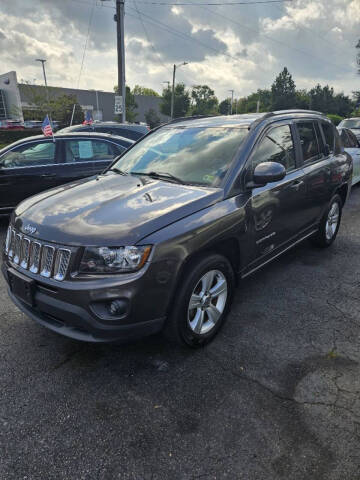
(117, 170)
(161, 175)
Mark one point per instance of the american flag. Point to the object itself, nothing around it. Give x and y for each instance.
(88, 118)
(46, 127)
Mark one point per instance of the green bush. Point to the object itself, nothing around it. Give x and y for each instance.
(336, 119)
(10, 136)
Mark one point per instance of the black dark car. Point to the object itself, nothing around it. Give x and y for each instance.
(159, 240)
(126, 130)
(38, 163)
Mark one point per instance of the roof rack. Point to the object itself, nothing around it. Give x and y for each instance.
(194, 117)
(283, 112)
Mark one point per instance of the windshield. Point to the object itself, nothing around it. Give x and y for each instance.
(193, 155)
(350, 123)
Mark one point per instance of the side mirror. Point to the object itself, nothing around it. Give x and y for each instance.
(267, 172)
(326, 150)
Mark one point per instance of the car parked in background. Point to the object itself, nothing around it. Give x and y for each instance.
(126, 130)
(11, 125)
(38, 163)
(33, 124)
(353, 124)
(158, 240)
(352, 147)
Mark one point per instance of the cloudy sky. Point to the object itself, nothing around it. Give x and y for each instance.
(240, 47)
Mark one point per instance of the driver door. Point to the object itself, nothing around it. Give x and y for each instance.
(277, 209)
(25, 170)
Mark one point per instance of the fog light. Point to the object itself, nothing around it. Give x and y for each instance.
(117, 308)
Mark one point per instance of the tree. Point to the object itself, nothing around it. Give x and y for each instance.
(61, 109)
(225, 107)
(283, 91)
(149, 92)
(204, 101)
(152, 118)
(358, 56)
(181, 102)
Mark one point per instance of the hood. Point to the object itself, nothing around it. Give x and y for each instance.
(110, 209)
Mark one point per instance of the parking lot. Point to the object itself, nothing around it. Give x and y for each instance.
(275, 396)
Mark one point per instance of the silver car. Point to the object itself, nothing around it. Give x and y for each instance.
(353, 124)
(352, 147)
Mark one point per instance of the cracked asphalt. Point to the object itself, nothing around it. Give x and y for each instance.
(275, 396)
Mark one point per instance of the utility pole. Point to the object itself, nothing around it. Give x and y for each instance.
(232, 100)
(119, 18)
(173, 88)
(258, 106)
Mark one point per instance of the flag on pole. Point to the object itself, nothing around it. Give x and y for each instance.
(88, 118)
(46, 127)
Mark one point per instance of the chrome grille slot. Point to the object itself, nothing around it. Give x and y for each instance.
(17, 249)
(47, 259)
(39, 258)
(25, 253)
(61, 263)
(35, 252)
(12, 244)
(8, 240)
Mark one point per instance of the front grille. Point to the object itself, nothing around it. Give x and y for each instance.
(39, 258)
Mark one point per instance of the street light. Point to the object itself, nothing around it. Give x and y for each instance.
(42, 60)
(173, 87)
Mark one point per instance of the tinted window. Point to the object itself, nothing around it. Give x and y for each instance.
(276, 146)
(352, 139)
(122, 132)
(308, 141)
(344, 138)
(195, 155)
(30, 154)
(329, 135)
(85, 150)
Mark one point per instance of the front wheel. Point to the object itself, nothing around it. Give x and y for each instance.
(202, 301)
(330, 223)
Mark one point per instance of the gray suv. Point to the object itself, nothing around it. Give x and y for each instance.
(159, 240)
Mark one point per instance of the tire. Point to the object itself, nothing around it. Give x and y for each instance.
(197, 326)
(327, 231)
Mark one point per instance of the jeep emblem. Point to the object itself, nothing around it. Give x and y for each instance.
(29, 229)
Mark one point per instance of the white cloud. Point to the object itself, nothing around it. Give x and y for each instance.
(239, 47)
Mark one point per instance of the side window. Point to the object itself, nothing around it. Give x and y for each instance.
(344, 138)
(276, 146)
(31, 154)
(329, 135)
(309, 141)
(85, 150)
(352, 139)
(103, 150)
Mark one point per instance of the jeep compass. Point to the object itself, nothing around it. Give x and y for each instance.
(159, 240)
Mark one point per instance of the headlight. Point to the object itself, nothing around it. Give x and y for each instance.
(113, 259)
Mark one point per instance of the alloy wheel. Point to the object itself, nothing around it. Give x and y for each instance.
(207, 302)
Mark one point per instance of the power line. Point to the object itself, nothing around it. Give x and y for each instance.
(273, 39)
(148, 37)
(213, 3)
(86, 42)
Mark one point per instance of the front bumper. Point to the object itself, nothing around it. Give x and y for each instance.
(72, 308)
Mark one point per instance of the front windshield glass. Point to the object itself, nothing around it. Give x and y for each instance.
(192, 155)
(350, 123)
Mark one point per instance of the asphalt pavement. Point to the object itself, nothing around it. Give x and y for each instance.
(275, 396)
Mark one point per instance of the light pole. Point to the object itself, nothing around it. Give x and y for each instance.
(42, 60)
(173, 88)
(232, 100)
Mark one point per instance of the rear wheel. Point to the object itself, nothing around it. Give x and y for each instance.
(330, 223)
(201, 302)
